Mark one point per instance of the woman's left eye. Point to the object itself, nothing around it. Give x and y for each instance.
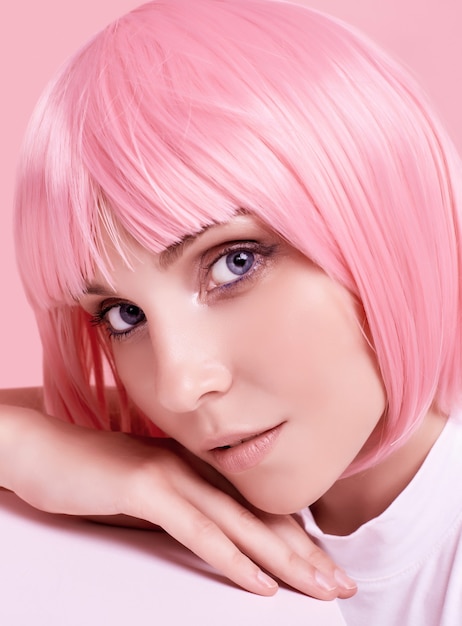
(231, 267)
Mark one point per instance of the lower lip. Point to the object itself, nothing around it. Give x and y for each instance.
(247, 454)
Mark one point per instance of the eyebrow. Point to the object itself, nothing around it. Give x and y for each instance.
(173, 252)
(95, 289)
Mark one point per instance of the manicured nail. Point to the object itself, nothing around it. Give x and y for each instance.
(323, 581)
(344, 580)
(266, 580)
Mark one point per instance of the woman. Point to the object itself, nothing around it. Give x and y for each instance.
(243, 217)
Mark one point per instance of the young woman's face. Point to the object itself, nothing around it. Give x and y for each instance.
(242, 350)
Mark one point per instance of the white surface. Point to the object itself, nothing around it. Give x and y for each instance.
(58, 571)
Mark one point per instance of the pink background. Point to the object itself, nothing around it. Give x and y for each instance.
(35, 37)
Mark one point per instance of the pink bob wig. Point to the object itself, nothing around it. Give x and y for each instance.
(182, 113)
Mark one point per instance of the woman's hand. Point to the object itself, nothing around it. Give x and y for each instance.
(62, 468)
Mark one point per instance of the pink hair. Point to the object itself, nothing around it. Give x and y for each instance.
(181, 113)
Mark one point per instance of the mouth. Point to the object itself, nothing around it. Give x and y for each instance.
(243, 453)
(239, 441)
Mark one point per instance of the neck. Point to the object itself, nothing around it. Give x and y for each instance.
(352, 501)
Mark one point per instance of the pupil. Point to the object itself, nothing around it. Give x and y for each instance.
(240, 262)
(131, 314)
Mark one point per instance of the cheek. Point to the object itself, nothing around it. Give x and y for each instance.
(303, 335)
(134, 365)
(330, 371)
(324, 378)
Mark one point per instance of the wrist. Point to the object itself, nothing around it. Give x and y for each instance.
(16, 424)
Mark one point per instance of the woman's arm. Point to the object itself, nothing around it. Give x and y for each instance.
(62, 468)
(27, 397)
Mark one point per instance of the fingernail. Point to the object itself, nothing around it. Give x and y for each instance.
(266, 580)
(344, 580)
(323, 581)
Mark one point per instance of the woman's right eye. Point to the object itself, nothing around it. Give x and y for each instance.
(122, 318)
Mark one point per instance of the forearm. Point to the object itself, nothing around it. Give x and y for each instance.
(14, 422)
(27, 397)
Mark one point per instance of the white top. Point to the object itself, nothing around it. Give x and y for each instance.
(408, 561)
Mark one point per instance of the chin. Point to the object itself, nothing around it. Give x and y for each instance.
(277, 504)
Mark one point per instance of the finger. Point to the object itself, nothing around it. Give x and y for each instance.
(173, 511)
(313, 573)
(201, 535)
(287, 527)
(294, 535)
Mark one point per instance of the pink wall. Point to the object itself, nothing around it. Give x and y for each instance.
(35, 37)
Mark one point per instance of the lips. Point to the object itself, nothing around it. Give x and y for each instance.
(238, 442)
(243, 453)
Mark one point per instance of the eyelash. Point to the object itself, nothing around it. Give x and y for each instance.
(99, 319)
(260, 250)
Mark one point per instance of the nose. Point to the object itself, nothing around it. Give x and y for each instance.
(190, 366)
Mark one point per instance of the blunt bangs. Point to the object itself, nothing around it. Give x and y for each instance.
(154, 131)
